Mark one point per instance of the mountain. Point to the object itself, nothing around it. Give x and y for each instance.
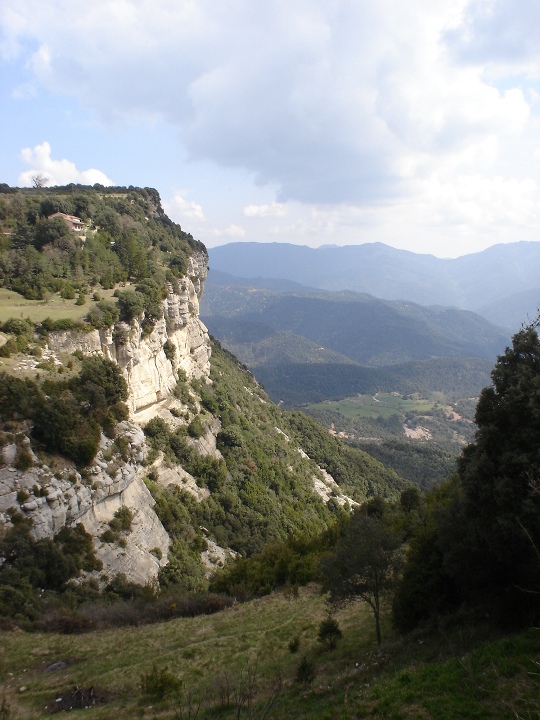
(367, 330)
(133, 448)
(470, 282)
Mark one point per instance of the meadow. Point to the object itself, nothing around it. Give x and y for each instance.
(14, 305)
(373, 406)
(239, 663)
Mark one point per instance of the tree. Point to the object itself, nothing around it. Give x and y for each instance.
(490, 535)
(39, 180)
(364, 566)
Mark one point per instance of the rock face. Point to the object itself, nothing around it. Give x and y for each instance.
(63, 497)
(151, 377)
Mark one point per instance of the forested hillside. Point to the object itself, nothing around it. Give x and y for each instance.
(125, 235)
(364, 590)
(226, 469)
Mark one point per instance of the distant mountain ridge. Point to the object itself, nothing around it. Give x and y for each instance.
(366, 330)
(478, 282)
(309, 346)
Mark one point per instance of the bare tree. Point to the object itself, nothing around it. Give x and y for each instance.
(39, 180)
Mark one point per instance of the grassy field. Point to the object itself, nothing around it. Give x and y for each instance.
(13, 305)
(243, 652)
(371, 406)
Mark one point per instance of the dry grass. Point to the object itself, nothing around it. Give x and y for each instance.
(13, 305)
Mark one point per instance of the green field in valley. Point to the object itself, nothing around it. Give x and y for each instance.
(373, 406)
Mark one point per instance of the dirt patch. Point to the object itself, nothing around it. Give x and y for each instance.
(77, 699)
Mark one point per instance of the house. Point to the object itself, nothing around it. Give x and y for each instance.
(74, 223)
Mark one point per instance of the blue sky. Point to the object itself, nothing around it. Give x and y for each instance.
(313, 122)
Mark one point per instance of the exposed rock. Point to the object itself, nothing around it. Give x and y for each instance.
(215, 556)
(151, 377)
(327, 488)
(206, 445)
(65, 498)
(178, 476)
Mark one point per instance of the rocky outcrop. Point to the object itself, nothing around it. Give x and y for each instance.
(54, 499)
(150, 375)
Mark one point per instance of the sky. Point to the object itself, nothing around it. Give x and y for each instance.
(316, 122)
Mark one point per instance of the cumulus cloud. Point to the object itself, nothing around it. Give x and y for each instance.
(272, 210)
(331, 102)
(500, 32)
(56, 172)
(417, 116)
(184, 210)
(232, 231)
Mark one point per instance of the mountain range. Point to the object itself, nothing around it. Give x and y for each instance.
(500, 283)
(314, 345)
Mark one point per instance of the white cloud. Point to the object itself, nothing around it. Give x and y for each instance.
(232, 231)
(326, 100)
(271, 210)
(184, 210)
(382, 120)
(56, 172)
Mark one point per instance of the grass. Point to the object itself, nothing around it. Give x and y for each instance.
(13, 305)
(373, 406)
(459, 674)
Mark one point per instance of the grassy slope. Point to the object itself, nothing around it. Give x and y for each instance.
(457, 674)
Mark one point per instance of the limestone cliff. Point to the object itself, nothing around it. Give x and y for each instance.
(150, 375)
(59, 496)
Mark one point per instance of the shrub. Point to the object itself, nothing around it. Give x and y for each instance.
(329, 632)
(195, 428)
(294, 645)
(108, 536)
(8, 348)
(68, 292)
(158, 683)
(123, 519)
(104, 314)
(169, 348)
(305, 672)
(24, 460)
(22, 496)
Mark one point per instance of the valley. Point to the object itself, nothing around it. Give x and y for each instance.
(279, 532)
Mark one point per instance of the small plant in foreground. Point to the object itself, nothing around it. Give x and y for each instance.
(294, 644)
(159, 682)
(305, 672)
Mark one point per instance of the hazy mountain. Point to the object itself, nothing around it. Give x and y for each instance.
(365, 329)
(470, 282)
(310, 346)
(514, 310)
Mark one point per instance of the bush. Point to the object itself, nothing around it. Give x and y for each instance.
(294, 645)
(122, 520)
(305, 672)
(103, 315)
(329, 632)
(68, 292)
(195, 428)
(108, 536)
(24, 460)
(159, 683)
(169, 348)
